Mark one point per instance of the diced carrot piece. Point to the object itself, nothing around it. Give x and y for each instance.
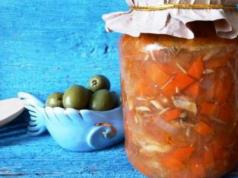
(156, 74)
(193, 90)
(180, 82)
(171, 114)
(203, 129)
(196, 68)
(209, 109)
(172, 164)
(177, 159)
(215, 63)
(183, 154)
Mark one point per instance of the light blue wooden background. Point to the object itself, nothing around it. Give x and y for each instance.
(45, 46)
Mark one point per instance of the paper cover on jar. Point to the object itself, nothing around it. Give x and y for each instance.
(173, 21)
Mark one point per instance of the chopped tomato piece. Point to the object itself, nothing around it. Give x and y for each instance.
(196, 68)
(203, 129)
(171, 114)
(193, 90)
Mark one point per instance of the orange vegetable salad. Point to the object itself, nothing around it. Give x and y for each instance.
(180, 105)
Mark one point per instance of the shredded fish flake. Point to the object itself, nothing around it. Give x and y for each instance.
(177, 90)
(156, 104)
(136, 119)
(130, 104)
(181, 68)
(147, 57)
(153, 146)
(188, 132)
(218, 120)
(140, 98)
(208, 71)
(152, 55)
(164, 110)
(143, 109)
(183, 115)
(156, 148)
(206, 148)
(184, 103)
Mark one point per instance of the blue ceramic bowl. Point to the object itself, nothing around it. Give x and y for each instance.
(83, 130)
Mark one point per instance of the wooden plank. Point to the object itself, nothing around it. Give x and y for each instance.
(40, 156)
(45, 46)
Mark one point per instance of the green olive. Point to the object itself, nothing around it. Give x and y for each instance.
(98, 82)
(76, 97)
(102, 100)
(55, 100)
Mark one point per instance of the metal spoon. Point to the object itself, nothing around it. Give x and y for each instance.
(10, 109)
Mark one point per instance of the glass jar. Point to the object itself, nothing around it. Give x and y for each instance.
(180, 104)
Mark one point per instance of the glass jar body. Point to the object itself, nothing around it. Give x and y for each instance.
(180, 105)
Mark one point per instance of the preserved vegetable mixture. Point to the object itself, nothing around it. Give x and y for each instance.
(179, 76)
(180, 105)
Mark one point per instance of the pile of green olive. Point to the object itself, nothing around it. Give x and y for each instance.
(97, 96)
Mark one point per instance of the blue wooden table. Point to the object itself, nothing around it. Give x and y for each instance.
(45, 46)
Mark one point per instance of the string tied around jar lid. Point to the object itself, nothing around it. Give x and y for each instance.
(185, 6)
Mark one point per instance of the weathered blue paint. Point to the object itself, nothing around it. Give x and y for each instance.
(46, 45)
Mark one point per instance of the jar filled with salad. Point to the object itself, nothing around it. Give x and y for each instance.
(179, 72)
